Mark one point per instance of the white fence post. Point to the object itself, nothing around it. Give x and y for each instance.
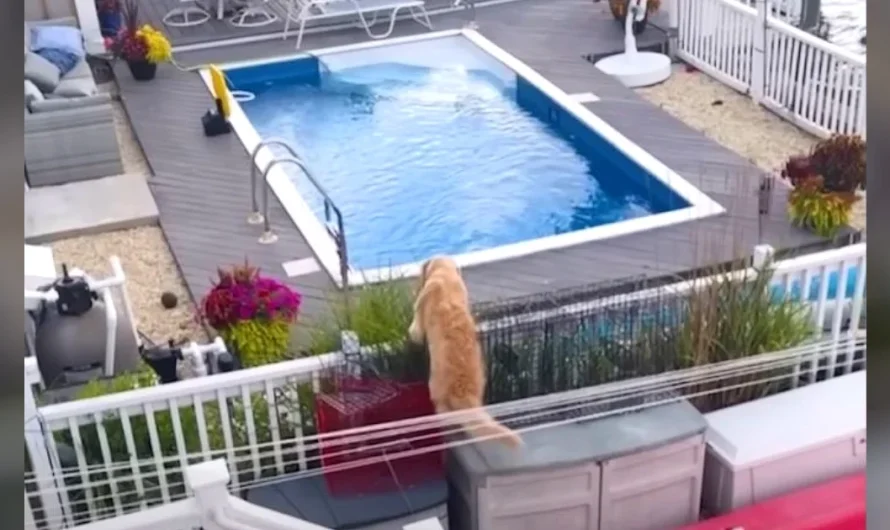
(88, 20)
(38, 452)
(208, 481)
(763, 254)
(759, 52)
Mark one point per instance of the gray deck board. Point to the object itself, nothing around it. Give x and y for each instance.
(201, 184)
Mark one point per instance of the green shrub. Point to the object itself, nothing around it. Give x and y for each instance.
(732, 319)
(718, 321)
(258, 342)
(378, 313)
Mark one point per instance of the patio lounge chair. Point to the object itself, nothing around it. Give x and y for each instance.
(302, 11)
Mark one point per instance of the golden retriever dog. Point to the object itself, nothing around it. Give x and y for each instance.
(442, 318)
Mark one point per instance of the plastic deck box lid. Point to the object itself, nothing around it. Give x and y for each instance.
(753, 432)
(594, 440)
(308, 498)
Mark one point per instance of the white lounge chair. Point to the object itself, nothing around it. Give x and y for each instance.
(302, 11)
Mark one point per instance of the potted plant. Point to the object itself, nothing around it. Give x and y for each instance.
(252, 313)
(620, 8)
(826, 183)
(109, 15)
(142, 47)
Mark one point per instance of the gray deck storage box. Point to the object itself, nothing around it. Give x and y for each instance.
(765, 448)
(636, 471)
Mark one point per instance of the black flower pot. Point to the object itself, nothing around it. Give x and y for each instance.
(142, 70)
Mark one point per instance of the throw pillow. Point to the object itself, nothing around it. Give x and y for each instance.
(64, 60)
(41, 72)
(32, 93)
(59, 37)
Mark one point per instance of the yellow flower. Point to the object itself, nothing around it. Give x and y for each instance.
(157, 45)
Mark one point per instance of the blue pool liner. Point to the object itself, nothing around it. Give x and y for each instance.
(778, 290)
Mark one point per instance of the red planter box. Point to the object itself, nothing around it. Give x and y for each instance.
(359, 402)
(834, 505)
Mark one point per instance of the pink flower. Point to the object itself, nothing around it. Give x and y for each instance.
(250, 297)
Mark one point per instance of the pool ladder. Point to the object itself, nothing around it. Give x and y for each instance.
(333, 218)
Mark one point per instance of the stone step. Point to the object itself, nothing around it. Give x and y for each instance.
(88, 207)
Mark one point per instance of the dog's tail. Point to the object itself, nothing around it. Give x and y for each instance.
(481, 424)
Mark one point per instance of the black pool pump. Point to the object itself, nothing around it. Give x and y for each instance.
(75, 296)
(163, 360)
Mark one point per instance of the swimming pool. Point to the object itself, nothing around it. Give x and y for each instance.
(446, 144)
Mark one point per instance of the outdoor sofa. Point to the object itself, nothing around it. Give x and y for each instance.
(69, 125)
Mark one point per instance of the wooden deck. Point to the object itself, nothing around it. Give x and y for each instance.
(201, 184)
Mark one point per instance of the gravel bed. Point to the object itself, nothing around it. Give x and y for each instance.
(735, 121)
(150, 271)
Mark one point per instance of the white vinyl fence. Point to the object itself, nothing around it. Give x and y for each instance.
(128, 451)
(209, 505)
(814, 84)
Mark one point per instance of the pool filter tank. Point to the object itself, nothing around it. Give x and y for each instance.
(70, 334)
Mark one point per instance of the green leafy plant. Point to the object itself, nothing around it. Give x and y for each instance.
(814, 203)
(823, 212)
(378, 313)
(732, 318)
(253, 313)
(728, 316)
(840, 160)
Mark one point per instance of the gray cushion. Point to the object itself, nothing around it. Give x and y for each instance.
(41, 72)
(75, 88)
(32, 93)
(81, 69)
(49, 105)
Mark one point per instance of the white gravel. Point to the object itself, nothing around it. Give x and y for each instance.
(735, 121)
(150, 270)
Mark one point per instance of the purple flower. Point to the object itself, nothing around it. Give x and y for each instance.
(242, 294)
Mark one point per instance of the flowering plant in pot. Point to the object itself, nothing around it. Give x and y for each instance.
(142, 47)
(252, 313)
(110, 17)
(620, 8)
(825, 184)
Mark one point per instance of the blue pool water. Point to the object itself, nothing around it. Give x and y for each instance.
(794, 291)
(443, 161)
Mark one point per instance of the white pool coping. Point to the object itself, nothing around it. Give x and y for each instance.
(316, 235)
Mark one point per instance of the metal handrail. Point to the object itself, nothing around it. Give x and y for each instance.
(255, 217)
(339, 235)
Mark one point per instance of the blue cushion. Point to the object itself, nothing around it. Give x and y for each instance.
(58, 38)
(64, 60)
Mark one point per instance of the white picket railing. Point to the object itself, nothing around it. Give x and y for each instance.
(818, 86)
(153, 433)
(252, 417)
(209, 506)
(790, 11)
